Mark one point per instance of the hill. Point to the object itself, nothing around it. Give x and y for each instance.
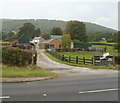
(46, 25)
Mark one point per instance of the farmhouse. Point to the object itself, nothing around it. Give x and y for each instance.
(37, 41)
(51, 43)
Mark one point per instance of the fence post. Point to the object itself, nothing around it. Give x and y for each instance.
(83, 60)
(59, 56)
(92, 61)
(69, 58)
(63, 58)
(76, 59)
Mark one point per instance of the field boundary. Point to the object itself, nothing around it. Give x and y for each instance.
(75, 60)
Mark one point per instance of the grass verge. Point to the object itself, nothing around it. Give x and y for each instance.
(28, 71)
(79, 65)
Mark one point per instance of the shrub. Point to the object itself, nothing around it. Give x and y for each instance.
(117, 59)
(16, 56)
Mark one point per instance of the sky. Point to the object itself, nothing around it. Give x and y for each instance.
(102, 12)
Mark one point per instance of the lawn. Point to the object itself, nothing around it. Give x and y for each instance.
(28, 71)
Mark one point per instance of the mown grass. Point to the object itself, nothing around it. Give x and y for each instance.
(28, 71)
(80, 65)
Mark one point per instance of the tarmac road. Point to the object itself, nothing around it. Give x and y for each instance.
(66, 88)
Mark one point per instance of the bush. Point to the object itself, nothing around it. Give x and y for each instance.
(16, 56)
(117, 46)
(117, 59)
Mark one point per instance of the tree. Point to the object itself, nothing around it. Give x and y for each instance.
(95, 36)
(113, 38)
(4, 35)
(56, 31)
(28, 29)
(77, 30)
(37, 32)
(117, 46)
(9, 36)
(46, 36)
(66, 41)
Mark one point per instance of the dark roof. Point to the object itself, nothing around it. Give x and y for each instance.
(23, 39)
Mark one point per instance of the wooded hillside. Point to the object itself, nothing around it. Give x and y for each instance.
(45, 25)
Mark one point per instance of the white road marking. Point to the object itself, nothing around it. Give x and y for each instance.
(5, 97)
(44, 95)
(96, 91)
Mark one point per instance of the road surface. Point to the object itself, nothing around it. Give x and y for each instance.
(66, 88)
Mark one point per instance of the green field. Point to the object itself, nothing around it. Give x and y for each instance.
(103, 41)
(28, 71)
(109, 49)
(89, 54)
(1, 42)
(81, 54)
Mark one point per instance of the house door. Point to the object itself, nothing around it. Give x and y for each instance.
(47, 46)
(51, 46)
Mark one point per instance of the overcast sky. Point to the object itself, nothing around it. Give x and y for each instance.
(103, 12)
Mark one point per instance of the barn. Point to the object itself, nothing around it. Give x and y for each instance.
(80, 45)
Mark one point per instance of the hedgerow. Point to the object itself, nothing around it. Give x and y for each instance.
(16, 56)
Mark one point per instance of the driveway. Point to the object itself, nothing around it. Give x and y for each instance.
(66, 70)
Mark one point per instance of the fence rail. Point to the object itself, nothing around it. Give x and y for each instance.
(70, 59)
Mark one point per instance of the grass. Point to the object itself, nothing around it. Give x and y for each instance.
(88, 55)
(79, 65)
(81, 54)
(3, 42)
(28, 71)
(103, 41)
(109, 49)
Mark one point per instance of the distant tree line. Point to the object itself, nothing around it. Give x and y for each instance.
(28, 29)
(45, 25)
(76, 29)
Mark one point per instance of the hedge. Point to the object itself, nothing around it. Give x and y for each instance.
(16, 56)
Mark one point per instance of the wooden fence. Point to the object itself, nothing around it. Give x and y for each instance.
(70, 59)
